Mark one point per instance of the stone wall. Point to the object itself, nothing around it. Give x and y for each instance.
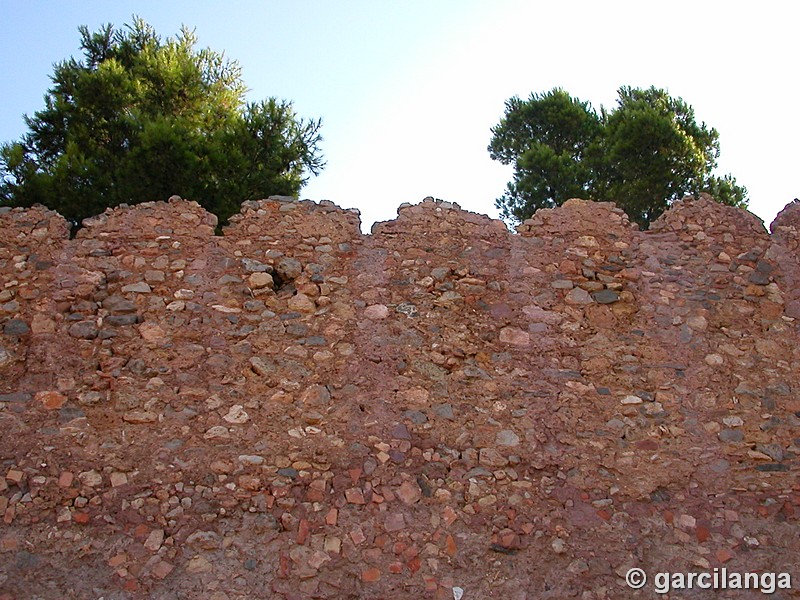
(294, 409)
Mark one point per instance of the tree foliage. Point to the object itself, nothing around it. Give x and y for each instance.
(138, 118)
(645, 153)
(548, 138)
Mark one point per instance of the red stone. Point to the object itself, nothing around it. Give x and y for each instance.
(508, 539)
(396, 567)
(303, 530)
(372, 555)
(141, 531)
(528, 528)
(702, 532)
(357, 536)
(162, 569)
(80, 517)
(450, 546)
(332, 517)
(443, 592)
(394, 522)
(15, 475)
(9, 544)
(354, 496)
(117, 560)
(410, 552)
(724, 555)
(409, 492)
(313, 495)
(414, 564)
(648, 444)
(370, 574)
(283, 566)
(51, 400)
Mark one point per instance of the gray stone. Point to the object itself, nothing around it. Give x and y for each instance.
(445, 411)
(731, 435)
(10, 307)
(478, 472)
(254, 266)
(226, 279)
(69, 413)
(772, 467)
(138, 288)
(562, 284)
(429, 369)
(439, 273)
(154, 276)
(400, 432)
(407, 309)
(288, 268)
(758, 278)
(120, 320)
(578, 296)
(774, 451)
(489, 457)
(16, 327)
(316, 395)
(415, 416)
(254, 305)
(5, 357)
(16, 397)
(506, 437)
(719, 466)
(119, 305)
(85, 330)
(605, 296)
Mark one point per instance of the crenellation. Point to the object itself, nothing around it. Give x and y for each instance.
(151, 220)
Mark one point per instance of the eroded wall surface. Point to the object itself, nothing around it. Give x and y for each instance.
(294, 409)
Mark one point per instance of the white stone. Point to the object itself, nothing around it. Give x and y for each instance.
(376, 312)
(631, 400)
(515, 336)
(236, 414)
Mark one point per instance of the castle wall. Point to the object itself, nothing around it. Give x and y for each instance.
(295, 386)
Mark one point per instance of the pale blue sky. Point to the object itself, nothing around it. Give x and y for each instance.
(408, 90)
